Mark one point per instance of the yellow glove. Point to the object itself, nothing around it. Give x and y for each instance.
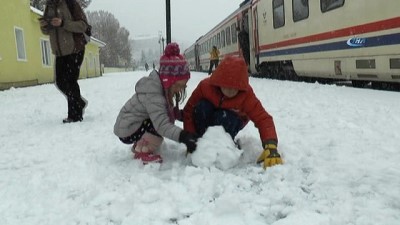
(270, 156)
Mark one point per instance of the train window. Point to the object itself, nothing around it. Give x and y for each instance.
(300, 10)
(219, 40)
(327, 5)
(395, 63)
(365, 64)
(279, 13)
(234, 34)
(214, 42)
(228, 35)
(223, 38)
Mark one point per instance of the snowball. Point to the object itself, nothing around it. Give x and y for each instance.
(216, 148)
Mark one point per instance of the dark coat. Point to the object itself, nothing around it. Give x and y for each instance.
(68, 38)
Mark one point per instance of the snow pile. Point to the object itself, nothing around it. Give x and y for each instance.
(216, 148)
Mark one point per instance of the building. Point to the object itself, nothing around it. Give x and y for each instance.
(25, 53)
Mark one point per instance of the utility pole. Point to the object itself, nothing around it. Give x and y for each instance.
(168, 19)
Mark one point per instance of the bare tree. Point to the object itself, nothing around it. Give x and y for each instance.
(39, 4)
(106, 28)
(123, 45)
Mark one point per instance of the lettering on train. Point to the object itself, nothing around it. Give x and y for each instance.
(356, 42)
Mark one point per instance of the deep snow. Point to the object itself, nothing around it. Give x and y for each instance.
(340, 146)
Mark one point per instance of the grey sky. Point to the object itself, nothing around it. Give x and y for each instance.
(189, 18)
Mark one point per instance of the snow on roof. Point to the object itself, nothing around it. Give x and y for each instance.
(37, 11)
(98, 42)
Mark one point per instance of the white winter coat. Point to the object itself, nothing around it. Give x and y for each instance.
(149, 102)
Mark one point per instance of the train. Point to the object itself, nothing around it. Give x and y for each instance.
(357, 41)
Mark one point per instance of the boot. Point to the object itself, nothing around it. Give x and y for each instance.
(147, 157)
(83, 103)
(72, 120)
(144, 148)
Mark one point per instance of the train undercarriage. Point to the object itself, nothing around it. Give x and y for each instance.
(283, 70)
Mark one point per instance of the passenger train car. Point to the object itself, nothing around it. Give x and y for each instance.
(354, 40)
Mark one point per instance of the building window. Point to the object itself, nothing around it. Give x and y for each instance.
(91, 65)
(46, 54)
(327, 5)
(20, 42)
(279, 13)
(300, 10)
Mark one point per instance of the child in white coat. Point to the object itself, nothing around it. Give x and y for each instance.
(149, 115)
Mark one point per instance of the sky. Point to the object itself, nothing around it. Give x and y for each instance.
(189, 18)
(340, 147)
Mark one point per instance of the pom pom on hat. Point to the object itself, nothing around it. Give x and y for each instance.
(173, 66)
(172, 49)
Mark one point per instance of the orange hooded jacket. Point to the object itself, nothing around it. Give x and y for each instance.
(232, 73)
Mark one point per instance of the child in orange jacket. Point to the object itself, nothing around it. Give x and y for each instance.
(226, 99)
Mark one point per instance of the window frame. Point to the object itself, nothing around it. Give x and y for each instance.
(46, 52)
(18, 44)
(276, 26)
(293, 11)
(234, 33)
(228, 35)
(90, 57)
(330, 9)
(223, 41)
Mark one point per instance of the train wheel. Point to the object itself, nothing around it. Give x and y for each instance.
(396, 86)
(381, 85)
(281, 75)
(264, 71)
(293, 76)
(359, 83)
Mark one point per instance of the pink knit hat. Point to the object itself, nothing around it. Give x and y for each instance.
(173, 66)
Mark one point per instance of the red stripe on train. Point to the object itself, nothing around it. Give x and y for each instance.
(360, 29)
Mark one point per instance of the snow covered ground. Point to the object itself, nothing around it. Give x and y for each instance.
(340, 146)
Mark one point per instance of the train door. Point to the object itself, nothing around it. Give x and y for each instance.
(244, 37)
(256, 41)
(197, 57)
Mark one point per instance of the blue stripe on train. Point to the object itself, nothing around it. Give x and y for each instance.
(390, 39)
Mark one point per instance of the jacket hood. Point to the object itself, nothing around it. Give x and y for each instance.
(149, 84)
(231, 73)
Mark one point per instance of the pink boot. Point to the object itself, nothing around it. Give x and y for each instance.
(145, 147)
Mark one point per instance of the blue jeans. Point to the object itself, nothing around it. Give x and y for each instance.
(206, 115)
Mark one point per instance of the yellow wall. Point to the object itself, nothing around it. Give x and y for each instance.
(91, 63)
(17, 73)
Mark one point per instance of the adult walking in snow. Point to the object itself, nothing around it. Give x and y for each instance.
(150, 113)
(227, 99)
(65, 28)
